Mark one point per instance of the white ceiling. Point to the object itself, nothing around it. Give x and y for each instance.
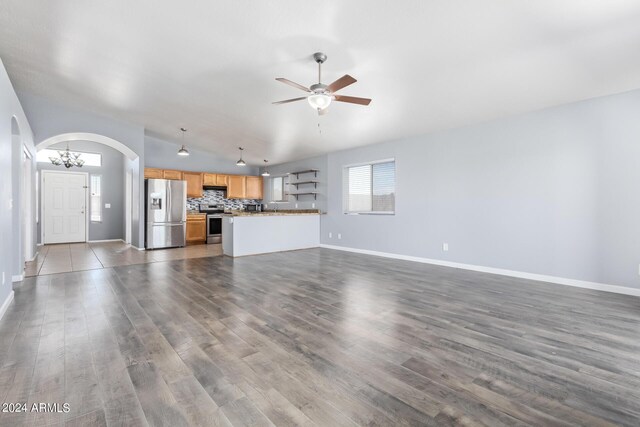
(210, 65)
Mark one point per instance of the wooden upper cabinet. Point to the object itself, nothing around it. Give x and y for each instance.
(221, 180)
(254, 187)
(236, 187)
(153, 173)
(194, 183)
(172, 174)
(210, 179)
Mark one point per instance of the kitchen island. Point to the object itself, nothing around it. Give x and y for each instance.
(264, 232)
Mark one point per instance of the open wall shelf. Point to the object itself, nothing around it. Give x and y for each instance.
(315, 183)
(297, 174)
(296, 195)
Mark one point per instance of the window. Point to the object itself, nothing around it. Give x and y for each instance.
(90, 159)
(95, 200)
(370, 188)
(279, 189)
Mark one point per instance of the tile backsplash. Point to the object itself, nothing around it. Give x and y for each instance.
(216, 197)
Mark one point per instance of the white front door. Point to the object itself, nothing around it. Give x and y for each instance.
(64, 213)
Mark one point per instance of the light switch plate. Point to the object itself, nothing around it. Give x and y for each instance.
(445, 247)
(107, 205)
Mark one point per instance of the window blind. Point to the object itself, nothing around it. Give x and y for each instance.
(370, 188)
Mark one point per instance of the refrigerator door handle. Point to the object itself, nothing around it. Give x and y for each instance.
(169, 207)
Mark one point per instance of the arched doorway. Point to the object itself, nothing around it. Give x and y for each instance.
(133, 171)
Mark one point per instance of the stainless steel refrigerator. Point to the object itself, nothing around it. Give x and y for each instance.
(166, 213)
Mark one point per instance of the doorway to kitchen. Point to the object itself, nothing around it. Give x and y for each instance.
(64, 213)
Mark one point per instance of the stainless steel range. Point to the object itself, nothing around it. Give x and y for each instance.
(214, 221)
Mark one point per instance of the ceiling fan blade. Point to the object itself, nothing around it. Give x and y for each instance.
(352, 99)
(294, 84)
(290, 100)
(343, 81)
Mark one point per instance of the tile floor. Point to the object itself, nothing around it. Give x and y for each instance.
(64, 258)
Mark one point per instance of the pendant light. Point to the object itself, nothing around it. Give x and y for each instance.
(183, 150)
(241, 162)
(266, 170)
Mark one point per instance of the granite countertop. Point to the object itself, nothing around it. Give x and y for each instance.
(283, 212)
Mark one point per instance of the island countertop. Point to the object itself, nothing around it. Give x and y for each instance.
(275, 213)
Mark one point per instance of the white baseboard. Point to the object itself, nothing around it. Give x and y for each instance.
(520, 274)
(137, 248)
(17, 278)
(5, 304)
(106, 240)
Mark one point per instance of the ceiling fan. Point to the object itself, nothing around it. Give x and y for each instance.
(321, 95)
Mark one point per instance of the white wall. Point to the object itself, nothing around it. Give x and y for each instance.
(553, 192)
(10, 172)
(163, 154)
(50, 119)
(304, 202)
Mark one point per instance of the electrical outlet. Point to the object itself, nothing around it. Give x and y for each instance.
(638, 269)
(296, 206)
(445, 247)
(107, 205)
(313, 205)
(339, 236)
(330, 235)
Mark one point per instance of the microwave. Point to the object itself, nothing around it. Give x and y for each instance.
(254, 207)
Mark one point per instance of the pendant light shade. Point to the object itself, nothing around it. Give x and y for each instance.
(266, 170)
(241, 162)
(183, 150)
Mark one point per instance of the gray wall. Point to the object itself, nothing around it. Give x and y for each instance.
(163, 154)
(113, 192)
(50, 119)
(552, 192)
(10, 173)
(305, 202)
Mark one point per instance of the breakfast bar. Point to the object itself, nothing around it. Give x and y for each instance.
(264, 232)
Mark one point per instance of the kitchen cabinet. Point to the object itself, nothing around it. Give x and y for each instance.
(153, 173)
(194, 183)
(196, 229)
(172, 174)
(210, 179)
(236, 187)
(221, 180)
(254, 187)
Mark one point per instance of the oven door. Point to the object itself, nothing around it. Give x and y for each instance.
(214, 228)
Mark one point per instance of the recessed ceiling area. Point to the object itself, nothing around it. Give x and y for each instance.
(211, 66)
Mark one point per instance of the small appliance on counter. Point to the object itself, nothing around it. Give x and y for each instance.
(254, 207)
(214, 213)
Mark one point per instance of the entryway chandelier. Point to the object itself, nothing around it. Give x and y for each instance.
(67, 158)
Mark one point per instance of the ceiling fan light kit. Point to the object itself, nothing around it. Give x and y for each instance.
(320, 95)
